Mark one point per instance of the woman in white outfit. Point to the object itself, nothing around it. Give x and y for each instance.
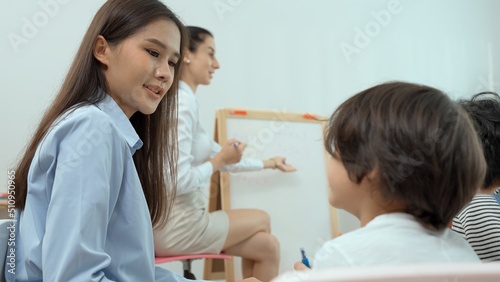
(191, 228)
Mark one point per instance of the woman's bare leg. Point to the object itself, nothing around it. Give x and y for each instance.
(249, 237)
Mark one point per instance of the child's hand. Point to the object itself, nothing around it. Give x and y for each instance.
(299, 266)
(251, 279)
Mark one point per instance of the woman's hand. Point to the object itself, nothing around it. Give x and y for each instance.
(230, 153)
(279, 163)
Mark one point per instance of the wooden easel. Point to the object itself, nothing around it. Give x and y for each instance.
(219, 198)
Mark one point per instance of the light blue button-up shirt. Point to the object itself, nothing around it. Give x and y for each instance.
(86, 217)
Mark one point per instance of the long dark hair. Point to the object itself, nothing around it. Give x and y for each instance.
(421, 143)
(117, 20)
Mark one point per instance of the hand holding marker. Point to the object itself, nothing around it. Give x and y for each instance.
(305, 261)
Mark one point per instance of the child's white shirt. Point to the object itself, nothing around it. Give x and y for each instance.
(395, 238)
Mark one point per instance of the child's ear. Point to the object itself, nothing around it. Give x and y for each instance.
(372, 176)
(101, 50)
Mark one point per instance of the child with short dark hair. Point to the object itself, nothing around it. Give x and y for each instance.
(405, 160)
(479, 221)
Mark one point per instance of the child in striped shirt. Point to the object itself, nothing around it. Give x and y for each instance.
(479, 221)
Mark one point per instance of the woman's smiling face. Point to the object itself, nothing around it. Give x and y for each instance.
(140, 69)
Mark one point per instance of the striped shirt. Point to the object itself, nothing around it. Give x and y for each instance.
(479, 223)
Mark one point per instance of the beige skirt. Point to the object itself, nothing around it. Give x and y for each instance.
(191, 229)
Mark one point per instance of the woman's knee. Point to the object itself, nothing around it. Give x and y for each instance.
(270, 245)
(264, 220)
(274, 245)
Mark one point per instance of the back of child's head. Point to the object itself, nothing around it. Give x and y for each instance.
(421, 144)
(484, 109)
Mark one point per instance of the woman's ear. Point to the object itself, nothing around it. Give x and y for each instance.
(101, 50)
(187, 56)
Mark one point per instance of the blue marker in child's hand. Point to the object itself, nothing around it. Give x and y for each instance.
(305, 261)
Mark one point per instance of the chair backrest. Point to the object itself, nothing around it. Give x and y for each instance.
(462, 272)
(5, 233)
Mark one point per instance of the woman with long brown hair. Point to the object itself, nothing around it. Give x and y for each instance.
(90, 185)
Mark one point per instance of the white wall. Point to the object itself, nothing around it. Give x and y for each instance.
(275, 54)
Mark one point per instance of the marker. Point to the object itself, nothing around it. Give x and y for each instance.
(305, 261)
(309, 116)
(238, 112)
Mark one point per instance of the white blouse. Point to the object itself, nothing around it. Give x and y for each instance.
(196, 148)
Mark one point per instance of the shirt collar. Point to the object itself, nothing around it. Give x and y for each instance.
(184, 87)
(111, 108)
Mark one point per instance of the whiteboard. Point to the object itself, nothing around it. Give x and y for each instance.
(297, 202)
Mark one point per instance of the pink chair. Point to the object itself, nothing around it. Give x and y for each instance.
(187, 259)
